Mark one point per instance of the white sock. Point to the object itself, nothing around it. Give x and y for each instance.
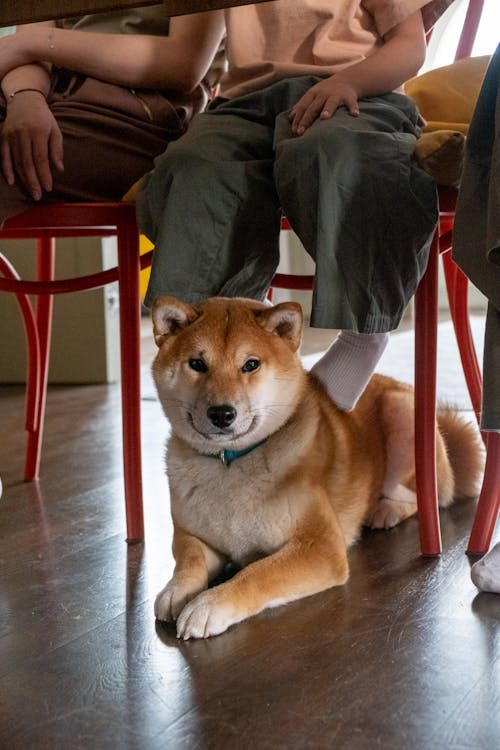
(485, 573)
(348, 365)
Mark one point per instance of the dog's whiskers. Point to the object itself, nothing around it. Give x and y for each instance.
(284, 380)
(269, 408)
(176, 402)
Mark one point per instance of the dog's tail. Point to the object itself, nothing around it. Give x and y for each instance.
(464, 453)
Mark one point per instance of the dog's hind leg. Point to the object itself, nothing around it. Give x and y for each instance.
(398, 499)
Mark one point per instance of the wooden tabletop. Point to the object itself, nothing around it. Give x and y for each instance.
(13, 12)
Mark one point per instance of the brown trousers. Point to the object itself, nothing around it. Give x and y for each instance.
(111, 136)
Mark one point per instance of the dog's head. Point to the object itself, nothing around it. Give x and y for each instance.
(228, 372)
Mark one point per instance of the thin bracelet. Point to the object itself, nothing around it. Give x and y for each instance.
(20, 91)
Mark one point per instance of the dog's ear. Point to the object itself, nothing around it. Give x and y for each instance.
(285, 320)
(170, 316)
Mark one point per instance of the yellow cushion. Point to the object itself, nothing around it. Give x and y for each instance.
(131, 193)
(145, 247)
(441, 154)
(446, 98)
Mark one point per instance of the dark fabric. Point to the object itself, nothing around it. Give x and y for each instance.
(476, 235)
(363, 210)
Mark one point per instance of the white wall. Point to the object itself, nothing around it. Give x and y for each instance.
(85, 341)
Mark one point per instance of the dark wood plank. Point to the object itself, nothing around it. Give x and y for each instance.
(14, 12)
(406, 655)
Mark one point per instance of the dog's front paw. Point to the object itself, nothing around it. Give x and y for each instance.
(172, 599)
(391, 512)
(204, 616)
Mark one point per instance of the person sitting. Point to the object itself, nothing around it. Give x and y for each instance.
(311, 122)
(88, 102)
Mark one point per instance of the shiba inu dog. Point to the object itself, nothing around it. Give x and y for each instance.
(266, 472)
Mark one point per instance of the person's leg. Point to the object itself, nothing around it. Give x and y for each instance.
(347, 366)
(485, 573)
(366, 215)
(110, 139)
(490, 407)
(12, 200)
(211, 209)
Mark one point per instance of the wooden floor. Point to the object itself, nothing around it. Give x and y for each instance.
(405, 656)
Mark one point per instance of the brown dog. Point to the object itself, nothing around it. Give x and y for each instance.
(266, 472)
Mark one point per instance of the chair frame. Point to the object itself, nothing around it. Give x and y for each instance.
(426, 322)
(426, 326)
(45, 224)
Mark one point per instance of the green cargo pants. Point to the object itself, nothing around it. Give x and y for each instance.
(362, 209)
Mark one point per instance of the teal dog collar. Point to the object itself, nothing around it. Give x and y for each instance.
(228, 456)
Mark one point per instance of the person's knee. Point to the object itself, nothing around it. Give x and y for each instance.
(12, 201)
(317, 159)
(321, 144)
(181, 155)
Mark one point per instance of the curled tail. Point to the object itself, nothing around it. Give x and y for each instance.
(464, 452)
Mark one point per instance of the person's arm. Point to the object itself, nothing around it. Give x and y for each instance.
(30, 141)
(397, 60)
(35, 75)
(178, 61)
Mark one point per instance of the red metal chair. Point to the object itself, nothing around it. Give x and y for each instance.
(46, 223)
(426, 306)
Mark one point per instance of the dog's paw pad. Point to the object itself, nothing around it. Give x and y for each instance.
(203, 617)
(391, 512)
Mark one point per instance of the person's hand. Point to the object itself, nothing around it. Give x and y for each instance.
(322, 101)
(31, 144)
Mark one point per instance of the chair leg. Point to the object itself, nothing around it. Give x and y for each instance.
(9, 273)
(488, 505)
(129, 267)
(489, 500)
(46, 253)
(457, 285)
(425, 405)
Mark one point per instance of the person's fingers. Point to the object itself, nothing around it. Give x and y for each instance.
(41, 163)
(25, 166)
(7, 165)
(56, 149)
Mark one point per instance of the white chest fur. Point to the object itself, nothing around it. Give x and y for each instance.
(237, 509)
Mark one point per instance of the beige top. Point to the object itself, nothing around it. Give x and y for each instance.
(267, 42)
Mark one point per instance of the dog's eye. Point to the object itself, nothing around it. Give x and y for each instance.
(198, 365)
(251, 365)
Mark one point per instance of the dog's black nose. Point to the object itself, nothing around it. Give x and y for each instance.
(221, 416)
